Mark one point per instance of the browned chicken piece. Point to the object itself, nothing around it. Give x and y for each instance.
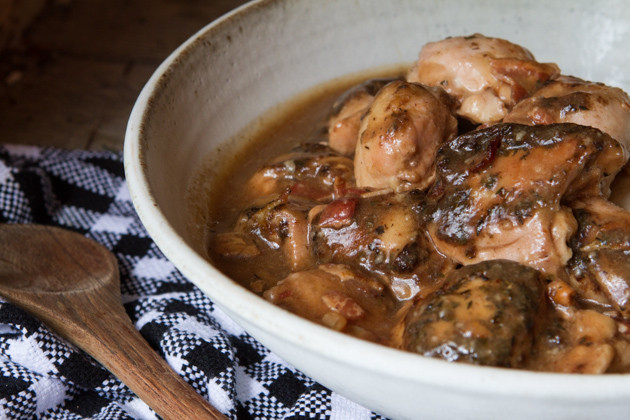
(579, 341)
(487, 314)
(340, 298)
(281, 225)
(347, 112)
(383, 234)
(600, 266)
(400, 135)
(500, 191)
(487, 76)
(280, 197)
(570, 99)
(312, 171)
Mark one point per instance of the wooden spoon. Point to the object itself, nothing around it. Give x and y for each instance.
(71, 283)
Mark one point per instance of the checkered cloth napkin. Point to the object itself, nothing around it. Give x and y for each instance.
(43, 376)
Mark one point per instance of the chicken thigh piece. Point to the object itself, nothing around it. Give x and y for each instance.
(579, 341)
(280, 226)
(340, 298)
(570, 99)
(500, 191)
(487, 76)
(487, 314)
(347, 112)
(400, 135)
(311, 170)
(384, 235)
(600, 267)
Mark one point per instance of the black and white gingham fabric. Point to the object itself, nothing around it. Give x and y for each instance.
(43, 376)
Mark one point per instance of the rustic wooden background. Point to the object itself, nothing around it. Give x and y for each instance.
(71, 73)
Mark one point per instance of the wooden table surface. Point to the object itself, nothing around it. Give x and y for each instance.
(73, 79)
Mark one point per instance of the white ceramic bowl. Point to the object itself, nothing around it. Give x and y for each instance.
(265, 53)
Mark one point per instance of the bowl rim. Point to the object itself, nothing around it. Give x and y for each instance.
(341, 347)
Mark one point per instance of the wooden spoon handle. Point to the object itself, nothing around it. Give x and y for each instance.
(128, 356)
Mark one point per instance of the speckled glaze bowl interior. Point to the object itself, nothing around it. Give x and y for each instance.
(266, 52)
